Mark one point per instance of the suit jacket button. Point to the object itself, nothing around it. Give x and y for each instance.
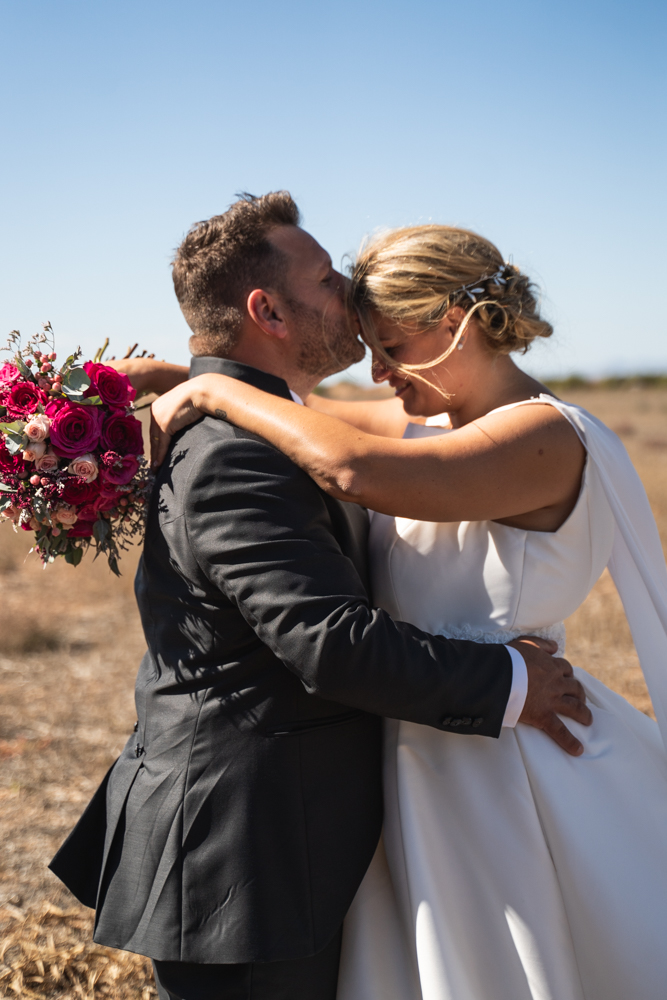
(139, 750)
(456, 722)
(136, 727)
(477, 722)
(447, 721)
(466, 722)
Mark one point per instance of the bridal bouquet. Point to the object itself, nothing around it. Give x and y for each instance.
(71, 465)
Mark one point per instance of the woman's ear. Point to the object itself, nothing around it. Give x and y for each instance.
(266, 311)
(452, 320)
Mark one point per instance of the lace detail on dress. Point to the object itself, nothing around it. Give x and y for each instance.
(504, 635)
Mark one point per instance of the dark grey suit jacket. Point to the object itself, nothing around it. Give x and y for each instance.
(241, 816)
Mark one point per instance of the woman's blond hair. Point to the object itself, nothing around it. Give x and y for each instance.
(414, 276)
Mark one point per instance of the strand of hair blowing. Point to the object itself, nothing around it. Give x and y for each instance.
(413, 276)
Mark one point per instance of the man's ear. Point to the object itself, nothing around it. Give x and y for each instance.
(266, 311)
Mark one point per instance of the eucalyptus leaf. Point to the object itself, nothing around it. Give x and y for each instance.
(75, 382)
(87, 401)
(13, 443)
(4, 504)
(4, 488)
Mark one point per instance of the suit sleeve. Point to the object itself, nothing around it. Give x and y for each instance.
(260, 531)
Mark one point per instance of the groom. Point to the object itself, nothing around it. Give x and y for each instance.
(228, 840)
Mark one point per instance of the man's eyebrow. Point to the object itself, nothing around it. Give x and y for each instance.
(327, 264)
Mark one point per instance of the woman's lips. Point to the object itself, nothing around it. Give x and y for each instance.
(401, 388)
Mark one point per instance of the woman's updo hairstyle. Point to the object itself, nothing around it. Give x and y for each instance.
(413, 276)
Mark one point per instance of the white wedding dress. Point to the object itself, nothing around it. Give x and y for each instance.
(510, 870)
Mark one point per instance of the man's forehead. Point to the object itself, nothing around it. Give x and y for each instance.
(299, 244)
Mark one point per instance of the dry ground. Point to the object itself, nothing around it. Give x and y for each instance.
(70, 642)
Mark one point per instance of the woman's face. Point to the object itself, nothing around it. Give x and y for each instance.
(419, 399)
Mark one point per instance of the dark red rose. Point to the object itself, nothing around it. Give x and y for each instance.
(122, 433)
(24, 399)
(9, 374)
(77, 492)
(106, 501)
(12, 464)
(75, 430)
(54, 405)
(113, 388)
(121, 472)
(87, 513)
(82, 529)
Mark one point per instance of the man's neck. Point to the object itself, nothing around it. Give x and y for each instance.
(298, 381)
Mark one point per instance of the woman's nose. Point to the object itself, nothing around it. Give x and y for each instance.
(379, 371)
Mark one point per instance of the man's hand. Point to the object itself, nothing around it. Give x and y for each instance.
(552, 691)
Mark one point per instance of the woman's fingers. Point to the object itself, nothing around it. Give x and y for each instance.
(160, 440)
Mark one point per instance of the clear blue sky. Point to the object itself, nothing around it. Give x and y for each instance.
(542, 125)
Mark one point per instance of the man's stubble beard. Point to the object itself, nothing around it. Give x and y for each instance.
(326, 345)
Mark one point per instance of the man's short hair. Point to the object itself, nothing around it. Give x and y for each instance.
(221, 260)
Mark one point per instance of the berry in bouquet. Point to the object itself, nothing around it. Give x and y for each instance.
(71, 453)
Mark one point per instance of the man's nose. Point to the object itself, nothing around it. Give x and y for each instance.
(341, 283)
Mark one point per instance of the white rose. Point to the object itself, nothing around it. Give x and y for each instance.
(84, 466)
(34, 451)
(38, 427)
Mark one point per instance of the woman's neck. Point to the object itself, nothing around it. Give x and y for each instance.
(502, 383)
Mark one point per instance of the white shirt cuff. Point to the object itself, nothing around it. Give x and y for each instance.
(519, 690)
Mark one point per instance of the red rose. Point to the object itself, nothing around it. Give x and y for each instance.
(75, 430)
(54, 405)
(121, 472)
(122, 433)
(24, 399)
(113, 388)
(12, 464)
(9, 374)
(82, 529)
(77, 492)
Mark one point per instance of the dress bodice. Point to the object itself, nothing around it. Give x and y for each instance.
(488, 581)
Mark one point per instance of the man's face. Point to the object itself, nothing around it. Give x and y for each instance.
(314, 298)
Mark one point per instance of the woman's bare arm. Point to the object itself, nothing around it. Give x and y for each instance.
(385, 417)
(514, 465)
(150, 375)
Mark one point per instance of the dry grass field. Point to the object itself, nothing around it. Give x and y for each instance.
(70, 643)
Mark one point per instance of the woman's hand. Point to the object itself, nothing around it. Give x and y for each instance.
(170, 413)
(149, 374)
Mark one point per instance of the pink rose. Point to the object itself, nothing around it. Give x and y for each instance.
(9, 374)
(121, 472)
(12, 513)
(23, 400)
(114, 388)
(85, 466)
(38, 427)
(35, 450)
(67, 516)
(78, 493)
(75, 430)
(48, 462)
(122, 433)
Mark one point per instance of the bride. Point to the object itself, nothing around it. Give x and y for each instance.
(509, 870)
